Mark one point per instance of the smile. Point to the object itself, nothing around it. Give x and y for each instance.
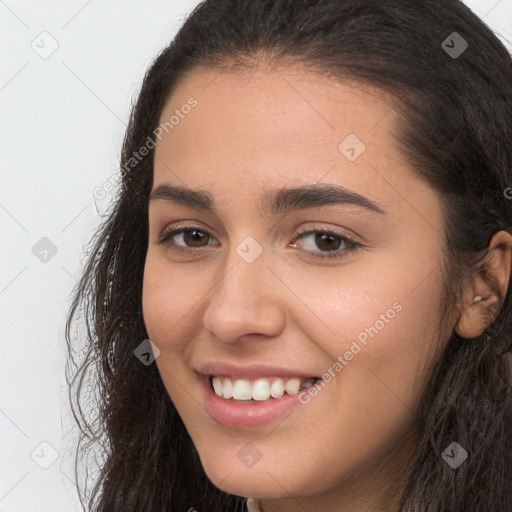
(231, 401)
(258, 390)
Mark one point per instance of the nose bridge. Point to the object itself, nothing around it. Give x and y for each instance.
(246, 271)
(244, 299)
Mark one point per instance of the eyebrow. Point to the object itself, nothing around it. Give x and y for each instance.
(278, 202)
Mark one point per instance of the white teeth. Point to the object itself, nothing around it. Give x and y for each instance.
(292, 386)
(227, 389)
(261, 390)
(217, 385)
(277, 388)
(242, 390)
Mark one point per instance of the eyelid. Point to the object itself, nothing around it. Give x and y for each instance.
(175, 229)
(352, 245)
(185, 226)
(322, 228)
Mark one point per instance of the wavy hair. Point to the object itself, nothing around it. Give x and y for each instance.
(455, 130)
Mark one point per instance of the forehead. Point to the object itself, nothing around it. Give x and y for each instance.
(262, 128)
(284, 110)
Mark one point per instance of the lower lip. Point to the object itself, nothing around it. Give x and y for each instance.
(239, 415)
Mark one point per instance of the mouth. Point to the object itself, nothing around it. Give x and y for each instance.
(263, 389)
(254, 395)
(245, 403)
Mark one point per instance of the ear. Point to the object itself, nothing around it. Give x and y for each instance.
(481, 302)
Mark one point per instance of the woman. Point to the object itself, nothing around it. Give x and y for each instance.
(314, 232)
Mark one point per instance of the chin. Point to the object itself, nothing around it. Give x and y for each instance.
(255, 485)
(266, 479)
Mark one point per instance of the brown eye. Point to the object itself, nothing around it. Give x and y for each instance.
(185, 237)
(325, 241)
(194, 237)
(326, 244)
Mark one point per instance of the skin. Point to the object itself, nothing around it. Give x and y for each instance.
(259, 130)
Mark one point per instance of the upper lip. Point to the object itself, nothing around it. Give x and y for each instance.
(252, 371)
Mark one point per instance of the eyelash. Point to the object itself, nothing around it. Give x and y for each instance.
(167, 235)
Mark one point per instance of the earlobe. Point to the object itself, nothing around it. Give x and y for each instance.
(476, 317)
(487, 289)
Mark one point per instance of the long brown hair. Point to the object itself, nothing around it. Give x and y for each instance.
(456, 132)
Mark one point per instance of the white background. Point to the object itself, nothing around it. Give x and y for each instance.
(62, 122)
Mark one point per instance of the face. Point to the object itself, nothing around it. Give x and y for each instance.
(337, 280)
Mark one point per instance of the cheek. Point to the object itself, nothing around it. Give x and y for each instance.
(168, 300)
(335, 304)
(168, 310)
(382, 320)
(396, 340)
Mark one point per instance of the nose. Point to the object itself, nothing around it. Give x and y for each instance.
(245, 301)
